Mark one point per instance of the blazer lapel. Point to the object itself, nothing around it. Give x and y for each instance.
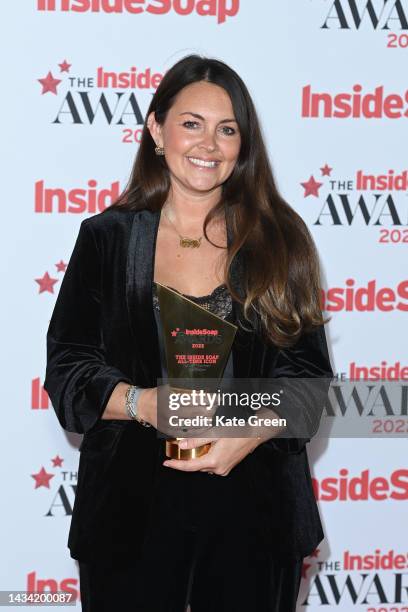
(139, 284)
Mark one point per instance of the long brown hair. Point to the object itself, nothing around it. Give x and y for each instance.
(281, 278)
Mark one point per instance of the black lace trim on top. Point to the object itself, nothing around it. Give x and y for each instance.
(218, 301)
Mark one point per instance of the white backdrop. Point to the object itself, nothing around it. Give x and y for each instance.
(60, 163)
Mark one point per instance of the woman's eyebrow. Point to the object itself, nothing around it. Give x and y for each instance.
(202, 118)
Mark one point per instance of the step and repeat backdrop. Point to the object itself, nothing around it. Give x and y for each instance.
(329, 82)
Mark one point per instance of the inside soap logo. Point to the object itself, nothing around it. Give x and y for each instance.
(110, 97)
(355, 578)
(387, 16)
(221, 9)
(353, 103)
(196, 337)
(363, 198)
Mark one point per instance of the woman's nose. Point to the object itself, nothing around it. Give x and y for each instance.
(209, 140)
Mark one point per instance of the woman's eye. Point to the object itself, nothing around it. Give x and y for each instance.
(190, 124)
(229, 131)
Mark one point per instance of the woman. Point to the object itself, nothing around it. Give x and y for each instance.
(226, 531)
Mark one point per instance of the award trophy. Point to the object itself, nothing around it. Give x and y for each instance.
(197, 346)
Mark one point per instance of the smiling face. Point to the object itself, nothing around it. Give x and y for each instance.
(200, 137)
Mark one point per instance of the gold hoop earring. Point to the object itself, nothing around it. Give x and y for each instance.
(159, 150)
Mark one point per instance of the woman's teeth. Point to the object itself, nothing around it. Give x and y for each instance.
(201, 162)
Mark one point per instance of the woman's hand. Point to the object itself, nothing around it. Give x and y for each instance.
(223, 455)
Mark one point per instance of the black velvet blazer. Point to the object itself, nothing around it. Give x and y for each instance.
(103, 331)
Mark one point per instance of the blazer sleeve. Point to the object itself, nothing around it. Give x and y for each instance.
(309, 358)
(78, 379)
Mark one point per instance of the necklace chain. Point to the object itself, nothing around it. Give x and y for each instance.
(185, 242)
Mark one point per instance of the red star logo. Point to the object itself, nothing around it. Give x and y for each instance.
(65, 66)
(57, 461)
(46, 283)
(305, 567)
(61, 266)
(49, 84)
(311, 187)
(326, 170)
(42, 479)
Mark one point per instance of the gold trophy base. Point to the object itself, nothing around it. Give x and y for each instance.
(175, 452)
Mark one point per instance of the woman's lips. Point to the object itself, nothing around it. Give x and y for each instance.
(203, 164)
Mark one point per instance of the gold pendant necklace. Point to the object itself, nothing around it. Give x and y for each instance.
(185, 242)
(190, 242)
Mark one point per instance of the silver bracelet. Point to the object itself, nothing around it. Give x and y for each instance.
(132, 395)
